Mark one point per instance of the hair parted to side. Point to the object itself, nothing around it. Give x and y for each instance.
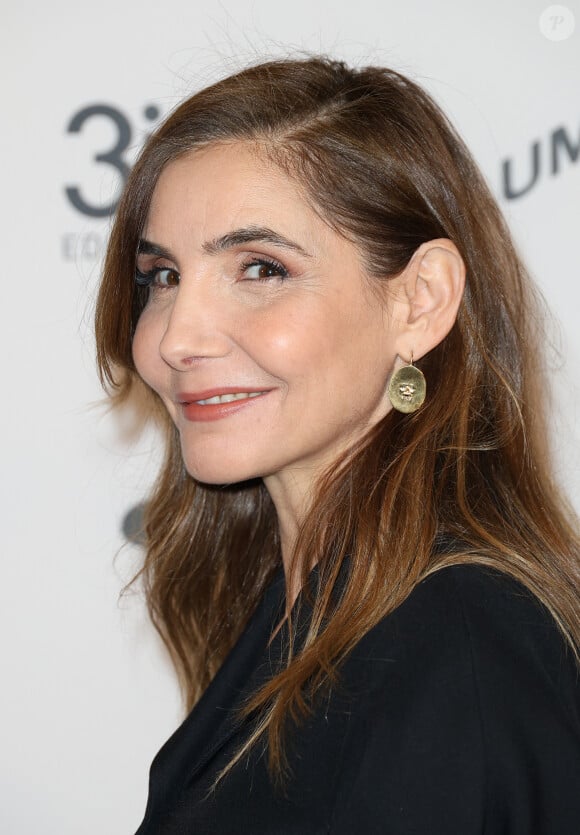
(379, 161)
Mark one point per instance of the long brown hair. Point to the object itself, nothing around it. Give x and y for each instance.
(380, 163)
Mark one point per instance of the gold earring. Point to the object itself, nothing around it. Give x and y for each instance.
(407, 388)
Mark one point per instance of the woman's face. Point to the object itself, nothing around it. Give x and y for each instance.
(261, 334)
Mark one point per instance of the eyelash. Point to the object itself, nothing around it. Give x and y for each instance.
(147, 279)
(266, 262)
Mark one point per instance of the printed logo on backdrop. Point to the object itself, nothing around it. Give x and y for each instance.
(106, 158)
(543, 158)
(548, 157)
(133, 525)
(109, 158)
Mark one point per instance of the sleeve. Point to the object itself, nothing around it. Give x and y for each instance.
(472, 724)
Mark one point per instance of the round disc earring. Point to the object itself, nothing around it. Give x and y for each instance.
(407, 388)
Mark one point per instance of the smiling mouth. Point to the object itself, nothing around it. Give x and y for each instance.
(228, 398)
(214, 404)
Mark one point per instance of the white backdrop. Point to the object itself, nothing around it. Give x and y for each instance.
(87, 695)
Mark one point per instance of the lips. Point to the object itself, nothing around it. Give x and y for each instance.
(213, 404)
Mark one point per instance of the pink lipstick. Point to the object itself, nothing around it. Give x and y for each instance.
(213, 404)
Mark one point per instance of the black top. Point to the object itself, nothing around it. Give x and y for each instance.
(458, 714)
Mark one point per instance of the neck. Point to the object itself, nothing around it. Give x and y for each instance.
(290, 495)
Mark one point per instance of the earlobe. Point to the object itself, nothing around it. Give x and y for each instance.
(434, 283)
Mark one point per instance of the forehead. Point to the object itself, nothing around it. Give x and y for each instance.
(227, 185)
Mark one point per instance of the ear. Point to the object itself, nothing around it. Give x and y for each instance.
(431, 288)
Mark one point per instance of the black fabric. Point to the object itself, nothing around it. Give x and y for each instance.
(457, 714)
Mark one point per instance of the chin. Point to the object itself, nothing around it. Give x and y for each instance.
(220, 471)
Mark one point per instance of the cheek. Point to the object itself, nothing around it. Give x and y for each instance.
(296, 338)
(317, 340)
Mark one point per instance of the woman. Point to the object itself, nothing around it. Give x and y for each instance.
(370, 593)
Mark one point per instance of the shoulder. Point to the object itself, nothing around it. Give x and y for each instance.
(475, 590)
(468, 704)
(471, 621)
(474, 604)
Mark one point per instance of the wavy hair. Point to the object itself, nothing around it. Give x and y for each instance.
(381, 164)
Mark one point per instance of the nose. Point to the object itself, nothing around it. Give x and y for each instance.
(196, 327)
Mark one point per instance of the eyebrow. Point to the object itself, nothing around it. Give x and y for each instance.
(149, 248)
(252, 234)
(238, 237)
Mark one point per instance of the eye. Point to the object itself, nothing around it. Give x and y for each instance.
(157, 277)
(263, 269)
